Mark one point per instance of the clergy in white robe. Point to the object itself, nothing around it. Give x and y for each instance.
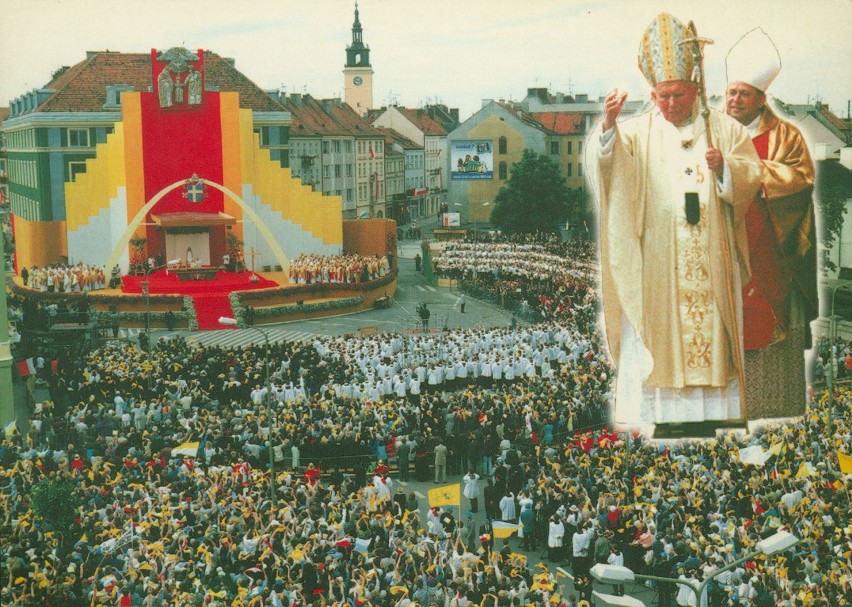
(673, 244)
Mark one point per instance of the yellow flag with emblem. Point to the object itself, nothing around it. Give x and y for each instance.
(448, 495)
(845, 462)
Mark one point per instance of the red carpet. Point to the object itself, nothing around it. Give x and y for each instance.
(210, 296)
(208, 309)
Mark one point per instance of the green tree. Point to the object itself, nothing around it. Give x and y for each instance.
(832, 192)
(55, 503)
(535, 198)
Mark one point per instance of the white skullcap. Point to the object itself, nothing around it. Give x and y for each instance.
(753, 59)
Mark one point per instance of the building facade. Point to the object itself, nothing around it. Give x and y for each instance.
(416, 125)
(493, 139)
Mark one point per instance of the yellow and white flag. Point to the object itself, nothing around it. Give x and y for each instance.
(448, 495)
(502, 529)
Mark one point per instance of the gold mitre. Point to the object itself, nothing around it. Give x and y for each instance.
(662, 56)
(754, 59)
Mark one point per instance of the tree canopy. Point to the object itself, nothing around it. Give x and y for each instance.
(535, 197)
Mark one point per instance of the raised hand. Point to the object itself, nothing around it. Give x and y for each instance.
(612, 108)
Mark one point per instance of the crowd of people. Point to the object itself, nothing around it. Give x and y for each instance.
(64, 278)
(346, 269)
(156, 526)
(562, 289)
(527, 261)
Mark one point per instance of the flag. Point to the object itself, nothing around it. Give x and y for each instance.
(188, 449)
(845, 462)
(10, 428)
(776, 449)
(805, 470)
(757, 507)
(448, 495)
(362, 545)
(502, 529)
(27, 367)
(754, 455)
(372, 155)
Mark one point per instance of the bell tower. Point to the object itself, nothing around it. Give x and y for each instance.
(358, 73)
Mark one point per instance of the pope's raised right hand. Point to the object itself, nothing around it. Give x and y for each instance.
(612, 108)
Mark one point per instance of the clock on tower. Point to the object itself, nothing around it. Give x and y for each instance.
(357, 81)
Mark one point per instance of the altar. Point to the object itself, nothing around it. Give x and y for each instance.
(197, 273)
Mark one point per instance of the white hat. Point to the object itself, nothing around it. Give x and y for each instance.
(754, 59)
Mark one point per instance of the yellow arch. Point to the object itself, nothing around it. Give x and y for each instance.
(134, 224)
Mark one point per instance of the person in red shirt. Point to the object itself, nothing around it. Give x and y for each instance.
(77, 464)
(312, 475)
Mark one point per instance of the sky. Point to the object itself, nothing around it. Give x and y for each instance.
(426, 51)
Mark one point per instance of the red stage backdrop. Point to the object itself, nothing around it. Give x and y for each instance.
(176, 144)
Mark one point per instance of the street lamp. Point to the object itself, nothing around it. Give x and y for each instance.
(618, 574)
(232, 322)
(832, 336)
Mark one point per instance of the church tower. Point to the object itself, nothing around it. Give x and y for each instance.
(358, 73)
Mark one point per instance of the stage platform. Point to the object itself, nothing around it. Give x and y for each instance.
(198, 304)
(169, 281)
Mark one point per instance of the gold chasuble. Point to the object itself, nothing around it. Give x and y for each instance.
(666, 289)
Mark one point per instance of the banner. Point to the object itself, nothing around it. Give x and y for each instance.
(451, 220)
(449, 495)
(502, 529)
(26, 367)
(471, 160)
(845, 462)
(188, 449)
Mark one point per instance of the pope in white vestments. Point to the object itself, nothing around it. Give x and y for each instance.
(673, 246)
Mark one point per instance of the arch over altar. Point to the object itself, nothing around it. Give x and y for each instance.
(137, 220)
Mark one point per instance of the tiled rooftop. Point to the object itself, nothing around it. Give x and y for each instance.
(82, 87)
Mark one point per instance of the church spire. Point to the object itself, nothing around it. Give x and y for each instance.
(357, 53)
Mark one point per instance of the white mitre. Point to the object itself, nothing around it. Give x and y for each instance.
(753, 59)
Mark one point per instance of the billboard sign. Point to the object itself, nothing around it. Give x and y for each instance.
(472, 160)
(452, 220)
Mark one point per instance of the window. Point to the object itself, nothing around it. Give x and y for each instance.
(337, 147)
(337, 170)
(325, 147)
(326, 171)
(570, 148)
(501, 145)
(263, 135)
(75, 167)
(579, 169)
(349, 170)
(569, 168)
(501, 172)
(78, 138)
(554, 147)
(579, 147)
(348, 194)
(347, 146)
